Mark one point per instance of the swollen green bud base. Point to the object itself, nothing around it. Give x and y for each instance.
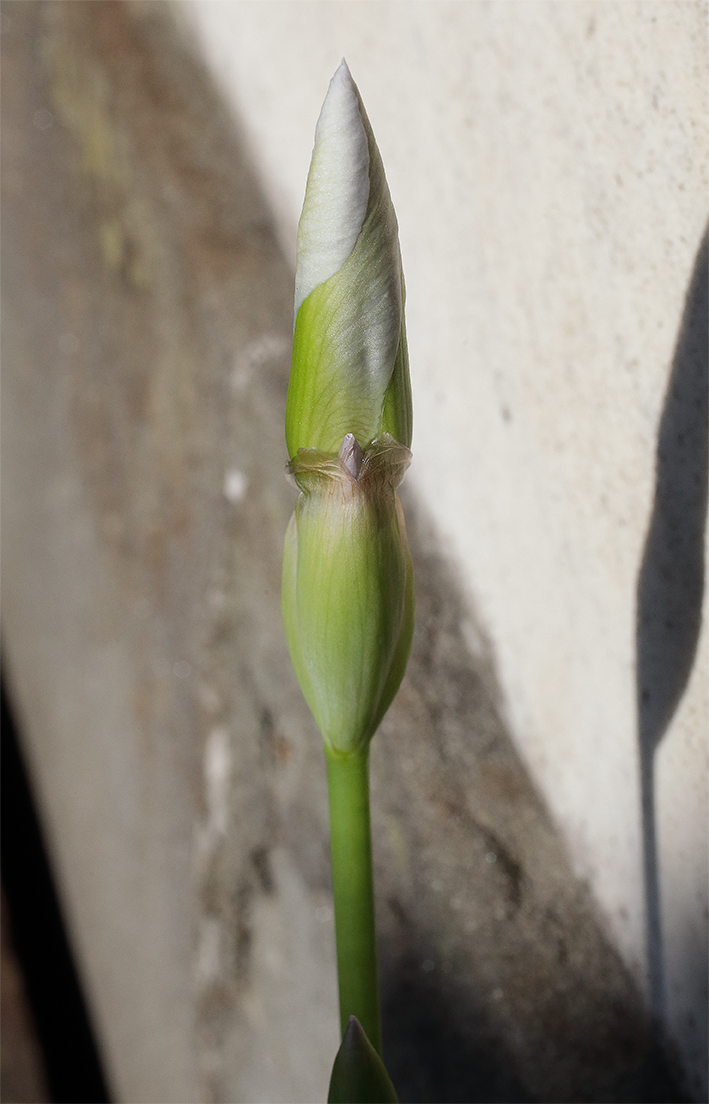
(348, 600)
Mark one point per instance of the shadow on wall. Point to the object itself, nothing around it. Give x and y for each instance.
(497, 981)
(671, 580)
(42, 956)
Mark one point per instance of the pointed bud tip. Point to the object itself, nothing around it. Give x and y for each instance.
(342, 78)
(343, 71)
(337, 190)
(342, 82)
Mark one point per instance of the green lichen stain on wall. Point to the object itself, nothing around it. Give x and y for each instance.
(80, 96)
(112, 241)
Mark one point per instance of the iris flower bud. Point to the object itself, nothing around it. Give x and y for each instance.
(350, 367)
(348, 601)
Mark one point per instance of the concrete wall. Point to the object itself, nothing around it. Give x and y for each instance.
(547, 166)
(548, 163)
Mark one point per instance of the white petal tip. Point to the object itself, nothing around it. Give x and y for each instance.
(343, 73)
(338, 187)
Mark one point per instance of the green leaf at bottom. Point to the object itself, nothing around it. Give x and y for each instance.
(359, 1075)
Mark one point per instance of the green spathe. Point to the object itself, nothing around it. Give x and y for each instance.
(348, 601)
(349, 371)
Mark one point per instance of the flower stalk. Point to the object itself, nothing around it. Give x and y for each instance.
(347, 596)
(353, 891)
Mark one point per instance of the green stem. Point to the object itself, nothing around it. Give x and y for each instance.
(353, 891)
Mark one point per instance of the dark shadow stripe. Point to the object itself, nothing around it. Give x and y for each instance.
(671, 581)
(72, 1063)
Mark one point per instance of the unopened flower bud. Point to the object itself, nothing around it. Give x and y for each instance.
(350, 369)
(348, 600)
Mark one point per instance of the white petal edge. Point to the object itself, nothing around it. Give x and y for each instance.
(337, 191)
(351, 456)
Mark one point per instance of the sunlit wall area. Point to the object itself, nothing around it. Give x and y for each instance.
(548, 163)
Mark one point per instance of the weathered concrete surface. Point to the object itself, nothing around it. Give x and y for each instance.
(146, 324)
(549, 164)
